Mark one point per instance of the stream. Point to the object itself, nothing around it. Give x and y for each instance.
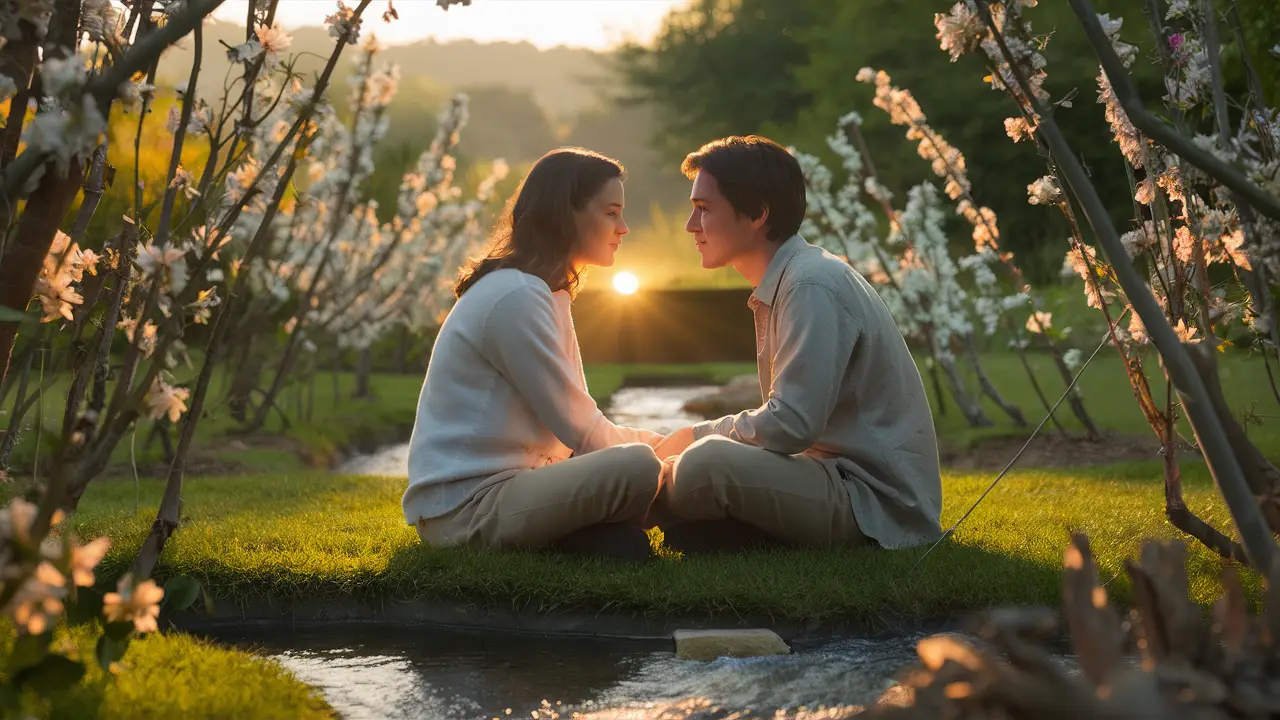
(456, 675)
(653, 408)
(452, 674)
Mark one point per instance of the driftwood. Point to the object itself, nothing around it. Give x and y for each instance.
(1186, 665)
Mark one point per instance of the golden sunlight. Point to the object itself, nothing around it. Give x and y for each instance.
(625, 283)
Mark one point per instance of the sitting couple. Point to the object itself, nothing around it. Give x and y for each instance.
(510, 451)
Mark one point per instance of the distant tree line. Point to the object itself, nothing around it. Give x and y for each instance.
(786, 68)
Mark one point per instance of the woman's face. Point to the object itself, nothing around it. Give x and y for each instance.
(600, 226)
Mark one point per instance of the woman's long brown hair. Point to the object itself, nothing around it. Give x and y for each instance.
(537, 232)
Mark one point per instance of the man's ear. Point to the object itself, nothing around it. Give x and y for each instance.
(762, 220)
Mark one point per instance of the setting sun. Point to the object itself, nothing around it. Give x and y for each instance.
(626, 283)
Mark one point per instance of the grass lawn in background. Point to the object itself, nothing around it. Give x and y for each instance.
(172, 675)
(310, 534)
(336, 420)
(1108, 398)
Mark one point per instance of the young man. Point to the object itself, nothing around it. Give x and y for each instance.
(843, 451)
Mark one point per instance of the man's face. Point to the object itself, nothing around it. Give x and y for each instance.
(721, 235)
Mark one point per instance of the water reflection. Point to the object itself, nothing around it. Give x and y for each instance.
(653, 408)
(431, 673)
(660, 409)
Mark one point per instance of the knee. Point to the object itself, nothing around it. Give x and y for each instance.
(702, 462)
(643, 466)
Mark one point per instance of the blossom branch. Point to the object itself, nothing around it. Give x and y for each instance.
(1226, 470)
(1158, 129)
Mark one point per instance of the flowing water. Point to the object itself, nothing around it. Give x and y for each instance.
(420, 673)
(452, 675)
(653, 408)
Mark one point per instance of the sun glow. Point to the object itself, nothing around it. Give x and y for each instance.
(625, 283)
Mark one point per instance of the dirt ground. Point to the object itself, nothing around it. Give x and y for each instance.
(1051, 449)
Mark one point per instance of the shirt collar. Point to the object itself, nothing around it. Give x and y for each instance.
(767, 291)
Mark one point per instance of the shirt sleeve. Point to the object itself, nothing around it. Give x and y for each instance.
(523, 341)
(815, 339)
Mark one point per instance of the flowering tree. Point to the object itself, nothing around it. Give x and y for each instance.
(1205, 194)
(166, 266)
(346, 275)
(948, 163)
(914, 268)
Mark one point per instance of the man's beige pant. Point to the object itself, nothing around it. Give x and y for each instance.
(532, 508)
(795, 498)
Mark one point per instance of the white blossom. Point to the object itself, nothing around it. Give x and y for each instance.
(1018, 129)
(1073, 359)
(163, 399)
(245, 52)
(274, 39)
(1044, 191)
(343, 24)
(959, 30)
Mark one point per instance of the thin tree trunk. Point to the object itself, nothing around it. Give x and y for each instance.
(337, 368)
(18, 62)
(1181, 517)
(364, 368)
(402, 351)
(1035, 385)
(988, 388)
(969, 407)
(937, 387)
(10, 438)
(102, 359)
(244, 373)
(311, 393)
(24, 255)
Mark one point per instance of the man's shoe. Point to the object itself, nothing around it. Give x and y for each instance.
(617, 541)
(717, 536)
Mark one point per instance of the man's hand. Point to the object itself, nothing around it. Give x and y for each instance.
(676, 443)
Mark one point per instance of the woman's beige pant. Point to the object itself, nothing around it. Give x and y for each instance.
(532, 508)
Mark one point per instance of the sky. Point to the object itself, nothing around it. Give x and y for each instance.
(596, 24)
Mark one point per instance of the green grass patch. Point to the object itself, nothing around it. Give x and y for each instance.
(324, 419)
(172, 675)
(1108, 397)
(309, 535)
(604, 379)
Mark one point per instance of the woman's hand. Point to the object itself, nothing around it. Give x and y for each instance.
(675, 443)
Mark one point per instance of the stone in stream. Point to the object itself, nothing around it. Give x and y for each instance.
(740, 393)
(712, 644)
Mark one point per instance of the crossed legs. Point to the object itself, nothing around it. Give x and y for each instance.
(534, 508)
(792, 498)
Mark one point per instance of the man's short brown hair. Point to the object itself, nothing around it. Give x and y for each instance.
(754, 173)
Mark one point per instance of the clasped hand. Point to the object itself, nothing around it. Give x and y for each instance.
(674, 444)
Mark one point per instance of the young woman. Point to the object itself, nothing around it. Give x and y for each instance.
(509, 450)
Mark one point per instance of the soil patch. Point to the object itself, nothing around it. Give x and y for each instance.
(211, 458)
(1052, 450)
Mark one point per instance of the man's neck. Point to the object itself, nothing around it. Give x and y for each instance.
(752, 266)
